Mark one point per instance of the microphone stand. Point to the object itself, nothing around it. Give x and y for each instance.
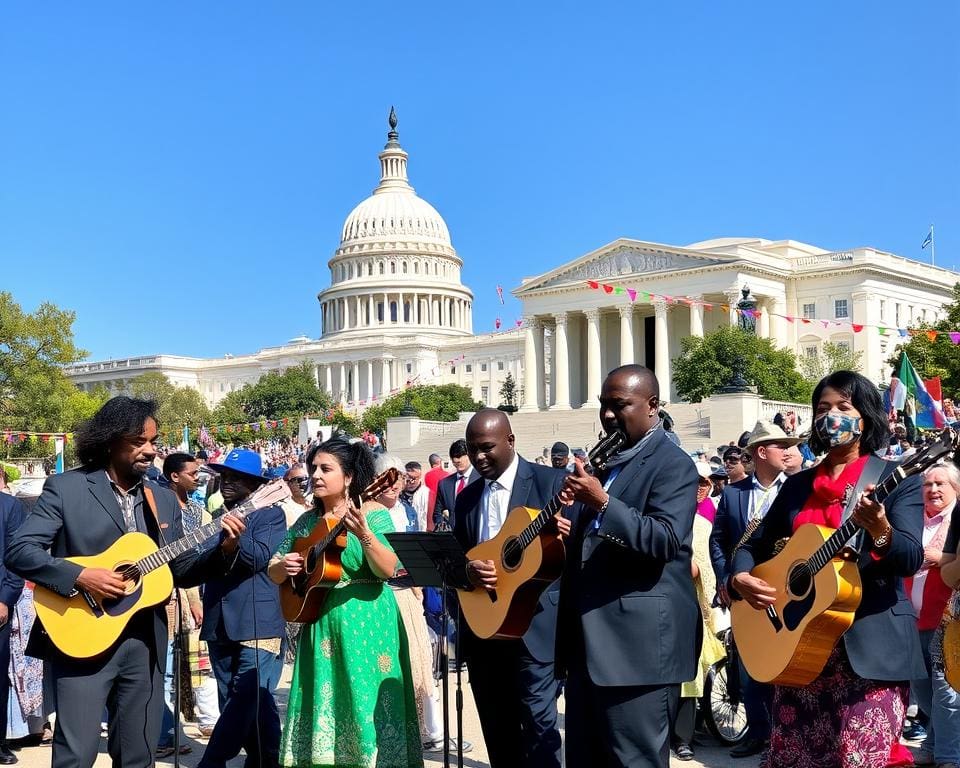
(177, 638)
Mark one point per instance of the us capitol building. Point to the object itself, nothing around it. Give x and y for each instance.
(396, 311)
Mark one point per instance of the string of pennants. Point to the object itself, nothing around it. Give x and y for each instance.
(618, 290)
(16, 436)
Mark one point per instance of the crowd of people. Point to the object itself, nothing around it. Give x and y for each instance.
(659, 544)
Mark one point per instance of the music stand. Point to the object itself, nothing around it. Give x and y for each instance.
(436, 559)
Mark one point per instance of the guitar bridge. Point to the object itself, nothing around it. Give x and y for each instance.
(94, 605)
(774, 618)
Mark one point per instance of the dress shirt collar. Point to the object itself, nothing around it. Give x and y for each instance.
(509, 476)
(778, 480)
(937, 519)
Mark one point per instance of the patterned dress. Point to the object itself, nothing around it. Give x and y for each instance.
(351, 699)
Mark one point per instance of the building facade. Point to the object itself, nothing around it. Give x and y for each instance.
(396, 311)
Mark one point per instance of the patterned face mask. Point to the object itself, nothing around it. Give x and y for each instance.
(836, 428)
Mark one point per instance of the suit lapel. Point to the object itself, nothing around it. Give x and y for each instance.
(629, 470)
(100, 488)
(467, 508)
(521, 486)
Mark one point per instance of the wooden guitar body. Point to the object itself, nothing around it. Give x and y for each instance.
(790, 643)
(302, 596)
(522, 576)
(81, 630)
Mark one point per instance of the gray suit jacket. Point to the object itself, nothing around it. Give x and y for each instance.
(77, 514)
(627, 590)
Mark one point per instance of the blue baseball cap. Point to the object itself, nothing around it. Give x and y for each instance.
(274, 472)
(242, 460)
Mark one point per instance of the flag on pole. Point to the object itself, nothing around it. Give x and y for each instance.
(929, 415)
(928, 240)
(497, 323)
(500, 293)
(897, 394)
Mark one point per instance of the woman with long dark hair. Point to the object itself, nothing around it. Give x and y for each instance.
(852, 714)
(351, 698)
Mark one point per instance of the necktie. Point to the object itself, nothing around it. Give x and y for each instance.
(489, 511)
(460, 483)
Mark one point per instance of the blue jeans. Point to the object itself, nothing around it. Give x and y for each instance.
(249, 718)
(935, 697)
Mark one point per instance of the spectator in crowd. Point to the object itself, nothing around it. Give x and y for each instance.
(929, 594)
(560, 457)
(432, 480)
(451, 486)
(792, 460)
(300, 499)
(733, 464)
(415, 493)
(11, 585)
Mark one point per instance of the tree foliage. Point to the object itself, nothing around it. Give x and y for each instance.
(177, 407)
(292, 393)
(940, 357)
(707, 363)
(833, 357)
(508, 391)
(442, 402)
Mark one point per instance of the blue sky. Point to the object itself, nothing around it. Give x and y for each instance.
(178, 173)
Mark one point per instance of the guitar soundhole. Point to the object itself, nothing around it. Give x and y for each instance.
(800, 580)
(512, 554)
(120, 605)
(310, 563)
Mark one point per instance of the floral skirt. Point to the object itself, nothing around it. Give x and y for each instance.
(840, 720)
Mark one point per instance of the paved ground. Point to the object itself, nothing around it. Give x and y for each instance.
(708, 755)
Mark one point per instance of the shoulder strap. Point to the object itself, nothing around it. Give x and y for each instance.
(870, 475)
(151, 504)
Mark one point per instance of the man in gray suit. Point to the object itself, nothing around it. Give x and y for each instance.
(83, 512)
(629, 629)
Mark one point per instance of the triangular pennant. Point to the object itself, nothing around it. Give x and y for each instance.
(607, 288)
(856, 327)
(932, 335)
(593, 284)
(954, 337)
(883, 331)
(632, 294)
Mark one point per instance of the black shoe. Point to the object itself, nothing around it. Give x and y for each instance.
(683, 751)
(748, 748)
(6, 756)
(914, 732)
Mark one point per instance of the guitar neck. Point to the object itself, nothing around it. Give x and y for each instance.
(176, 548)
(530, 533)
(336, 531)
(839, 538)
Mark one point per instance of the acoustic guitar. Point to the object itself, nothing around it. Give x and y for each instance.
(302, 596)
(818, 591)
(528, 560)
(82, 626)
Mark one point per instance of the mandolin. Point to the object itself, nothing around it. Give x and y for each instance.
(82, 626)
(818, 591)
(302, 596)
(528, 557)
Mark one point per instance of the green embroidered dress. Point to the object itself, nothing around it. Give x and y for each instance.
(352, 701)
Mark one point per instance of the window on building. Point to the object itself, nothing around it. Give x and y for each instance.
(381, 267)
(500, 365)
(896, 318)
(409, 367)
(843, 345)
(840, 308)
(380, 311)
(393, 311)
(221, 386)
(810, 351)
(469, 368)
(483, 367)
(404, 267)
(809, 311)
(484, 391)
(453, 370)
(883, 310)
(923, 315)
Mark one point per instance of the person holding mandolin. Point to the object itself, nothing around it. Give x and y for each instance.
(852, 712)
(352, 700)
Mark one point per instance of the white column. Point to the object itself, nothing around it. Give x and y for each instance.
(342, 388)
(385, 384)
(661, 350)
(359, 308)
(763, 322)
(733, 298)
(415, 309)
(593, 359)
(626, 334)
(355, 384)
(444, 312)
(493, 393)
(561, 365)
(316, 375)
(696, 316)
(531, 371)
(369, 380)
(779, 328)
(329, 374)
(386, 309)
(371, 311)
(476, 379)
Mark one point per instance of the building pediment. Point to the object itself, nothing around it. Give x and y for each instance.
(621, 262)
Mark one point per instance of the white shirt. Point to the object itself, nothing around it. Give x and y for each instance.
(398, 514)
(495, 501)
(465, 476)
(420, 501)
(762, 498)
(930, 527)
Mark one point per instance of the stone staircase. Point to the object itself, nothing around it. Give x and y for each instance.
(536, 432)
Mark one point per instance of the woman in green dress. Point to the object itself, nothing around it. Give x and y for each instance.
(352, 701)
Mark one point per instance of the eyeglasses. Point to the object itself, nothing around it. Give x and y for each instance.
(731, 459)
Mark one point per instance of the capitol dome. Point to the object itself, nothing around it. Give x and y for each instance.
(395, 266)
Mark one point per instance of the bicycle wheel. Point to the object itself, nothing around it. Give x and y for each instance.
(726, 720)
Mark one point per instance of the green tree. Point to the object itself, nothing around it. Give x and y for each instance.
(508, 391)
(177, 407)
(290, 394)
(833, 357)
(442, 402)
(35, 394)
(232, 409)
(706, 364)
(938, 356)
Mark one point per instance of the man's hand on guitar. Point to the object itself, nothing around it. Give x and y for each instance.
(585, 488)
(756, 592)
(563, 525)
(232, 528)
(101, 583)
(482, 573)
(292, 563)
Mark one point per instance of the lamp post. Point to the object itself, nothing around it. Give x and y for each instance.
(746, 321)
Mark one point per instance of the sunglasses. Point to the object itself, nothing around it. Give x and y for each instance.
(731, 460)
